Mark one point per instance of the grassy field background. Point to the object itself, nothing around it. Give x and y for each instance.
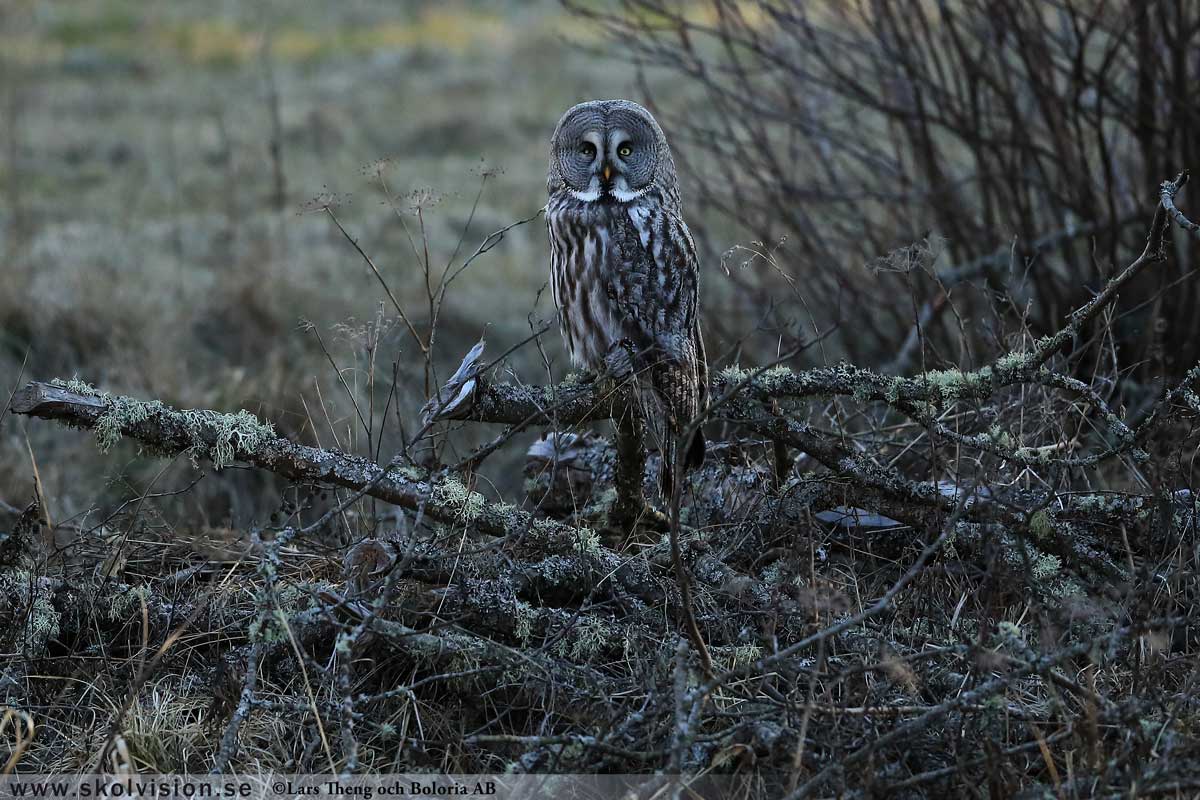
(149, 245)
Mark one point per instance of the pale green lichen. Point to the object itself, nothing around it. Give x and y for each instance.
(29, 601)
(632, 648)
(468, 654)
(601, 504)
(1120, 431)
(1008, 364)
(996, 702)
(122, 413)
(1000, 437)
(229, 434)
(1040, 525)
(892, 393)
(736, 656)
(428, 647)
(511, 517)
(774, 379)
(505, 509)
(862, 391)
(466, 504)
(774, 573)
(954, 384)
(573, 752)
(122, 604)
(1045, 567)
(78, 387)
(1036, 455)
(587, 541)
(1064, 587)
(525, 615)
(965, 629)
(269, 628)
(733, 374)
(412, 473)
(1091, 503)
(1016, 554)
(290, 597)
(585, 641)
(272, 627)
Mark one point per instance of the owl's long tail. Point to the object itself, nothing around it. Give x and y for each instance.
(670, 410)
(680, 395)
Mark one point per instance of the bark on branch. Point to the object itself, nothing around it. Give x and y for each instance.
(226, 437)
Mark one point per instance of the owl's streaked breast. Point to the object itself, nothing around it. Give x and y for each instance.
(583, 258)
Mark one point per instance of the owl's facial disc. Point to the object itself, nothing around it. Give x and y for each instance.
(606, 152)
(581, 160)
(631, 163)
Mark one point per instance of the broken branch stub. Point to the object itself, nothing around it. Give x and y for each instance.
(455, 399)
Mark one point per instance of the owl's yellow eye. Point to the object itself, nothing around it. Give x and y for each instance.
(588, 149)
(625, 150)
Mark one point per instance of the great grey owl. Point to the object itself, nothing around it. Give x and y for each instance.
(623, 264)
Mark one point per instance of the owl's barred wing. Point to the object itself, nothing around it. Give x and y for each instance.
(658, 284)
(660, 290)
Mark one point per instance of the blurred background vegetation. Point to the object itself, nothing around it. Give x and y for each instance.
(848, 170)
(152, 244)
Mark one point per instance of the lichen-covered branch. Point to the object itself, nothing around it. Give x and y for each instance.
(223, 438)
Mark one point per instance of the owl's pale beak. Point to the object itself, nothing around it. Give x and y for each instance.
(607, 173)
